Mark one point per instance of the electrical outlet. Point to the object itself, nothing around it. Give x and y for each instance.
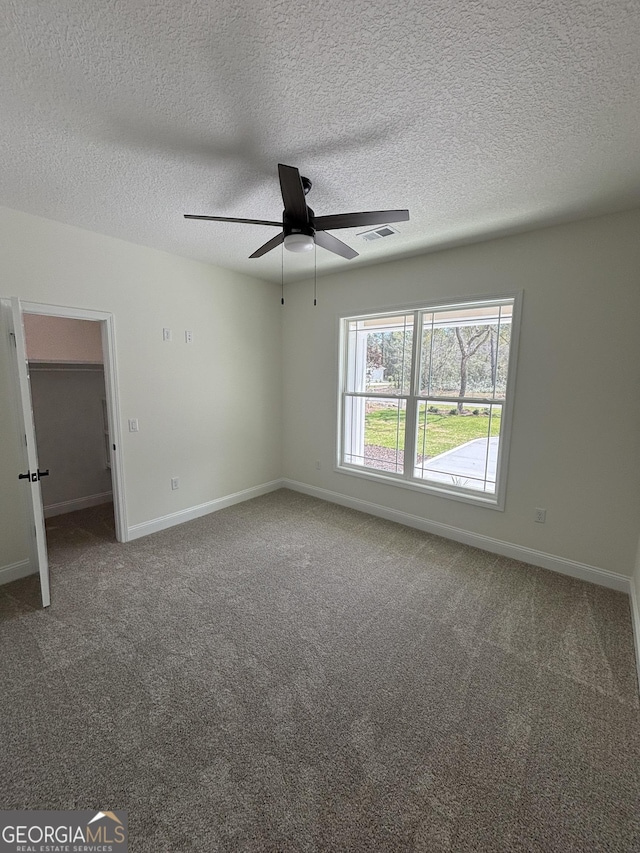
(175, 483)
(166, 334)
(133, 425)
(188, 336)
(541, 515)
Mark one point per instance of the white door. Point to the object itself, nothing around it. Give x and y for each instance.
(30, 474)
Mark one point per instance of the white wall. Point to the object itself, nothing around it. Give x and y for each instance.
(575, 445)
(209, 412)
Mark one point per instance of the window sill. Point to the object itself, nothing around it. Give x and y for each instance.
(475, 498)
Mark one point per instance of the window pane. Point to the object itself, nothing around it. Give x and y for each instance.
(374, 433)
(502, 357)
(465, 352)
(479, 347)
(458, 450)
(379, 355)
(440, 371)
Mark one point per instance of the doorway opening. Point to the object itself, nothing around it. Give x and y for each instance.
(66, 382)
(69, 403)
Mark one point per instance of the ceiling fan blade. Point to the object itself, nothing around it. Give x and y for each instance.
(328, 241)
(359, 220)
(295, 205)
(268, 246)
(232, 219)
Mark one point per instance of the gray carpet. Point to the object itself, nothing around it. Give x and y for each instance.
(289, 675)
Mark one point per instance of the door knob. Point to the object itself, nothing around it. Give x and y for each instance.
(34, 477)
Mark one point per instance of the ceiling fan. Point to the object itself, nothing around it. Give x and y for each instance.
(301, 228)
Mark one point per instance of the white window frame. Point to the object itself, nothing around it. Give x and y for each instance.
(406, 479)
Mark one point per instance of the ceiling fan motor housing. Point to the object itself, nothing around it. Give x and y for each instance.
(290, 226)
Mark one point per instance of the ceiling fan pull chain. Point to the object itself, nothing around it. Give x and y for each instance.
(315, 273)
(282, 274)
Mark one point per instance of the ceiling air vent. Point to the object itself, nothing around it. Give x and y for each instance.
(378, 233)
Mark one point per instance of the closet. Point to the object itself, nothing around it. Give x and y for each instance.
(69, 409)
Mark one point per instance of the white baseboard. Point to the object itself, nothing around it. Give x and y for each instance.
(603, 577)
(165, 521)
(77, 503)
(15, 571)
(635, 621)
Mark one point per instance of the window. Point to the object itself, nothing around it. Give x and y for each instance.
(426, 397)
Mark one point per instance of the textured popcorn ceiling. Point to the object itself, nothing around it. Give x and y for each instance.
(481, 117)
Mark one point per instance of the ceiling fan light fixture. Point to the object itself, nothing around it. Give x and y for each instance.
(299, 242)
